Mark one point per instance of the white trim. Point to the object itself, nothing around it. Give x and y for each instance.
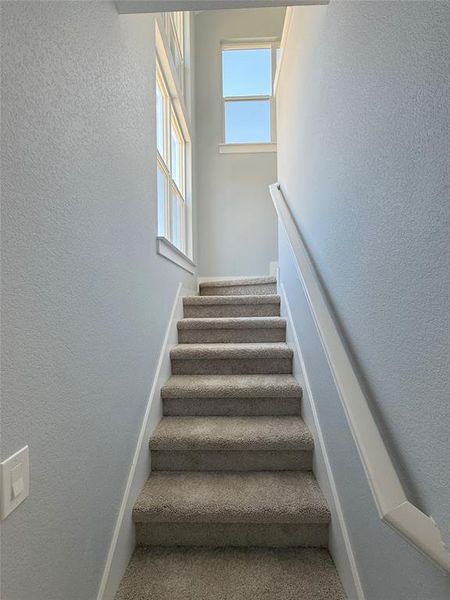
(247, 148)
(166, 249)
(320, 447)
(284, 36)
(151, 6)
(389, 496)
(248, 43)
(262, 98)
(123, 539)
(273, 269)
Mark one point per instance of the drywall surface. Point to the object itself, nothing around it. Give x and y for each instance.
(338, 540)
(363, 163)
(236, 220)
(86, 300)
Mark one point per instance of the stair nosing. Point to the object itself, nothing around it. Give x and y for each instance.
(244, 299)
(231, 386)
(243, 323)
(230, 351)
(300, 439)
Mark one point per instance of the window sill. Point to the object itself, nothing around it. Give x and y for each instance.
(247, 148)
(168, 250)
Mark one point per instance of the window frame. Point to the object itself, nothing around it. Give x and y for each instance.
(271, 44)
(176, 118)
(175, 26)
(164, 163)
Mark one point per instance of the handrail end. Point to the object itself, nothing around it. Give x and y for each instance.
(421, 531)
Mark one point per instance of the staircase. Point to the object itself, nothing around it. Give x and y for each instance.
(231, 510)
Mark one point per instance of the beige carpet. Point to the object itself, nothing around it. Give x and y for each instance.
(231, 510)
(230, 574)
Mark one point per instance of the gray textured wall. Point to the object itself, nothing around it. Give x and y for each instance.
(236, 219)
(85, 297)
(363, 162)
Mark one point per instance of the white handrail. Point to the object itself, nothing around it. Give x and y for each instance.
(392, 504)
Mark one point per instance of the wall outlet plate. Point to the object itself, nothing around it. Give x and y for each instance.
(14, 481)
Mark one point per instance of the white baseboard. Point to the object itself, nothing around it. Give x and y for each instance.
(123, 539)
(345, 562)
(273, 269)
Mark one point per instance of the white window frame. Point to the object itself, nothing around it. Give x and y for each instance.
(175, 118)
(171, 125)
(175, 29)
(271, 44)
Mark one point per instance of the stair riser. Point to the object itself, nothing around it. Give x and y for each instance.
(275, 535)
(240, 290)
(224, 336)
(232, 366)
(231, 310)
(231, 407)
(225, 460)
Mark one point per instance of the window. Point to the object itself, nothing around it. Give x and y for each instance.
(175, 31)
(171, 168)
(248, 70)
(173, 138)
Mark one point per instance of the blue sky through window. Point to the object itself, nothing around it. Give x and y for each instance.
(247, 72)
(247, 121)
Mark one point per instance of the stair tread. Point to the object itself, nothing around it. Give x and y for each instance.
(232, 386)
(250, 299)
(231, 497)
(238, 282)
(242, 350)
(232, 323)
(232, 573)
(231, 433)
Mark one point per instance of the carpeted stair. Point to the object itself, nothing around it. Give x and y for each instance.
(231, 509)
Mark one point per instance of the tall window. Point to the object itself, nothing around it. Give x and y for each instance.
(175, 31)
(248, 70)
(173, 135)
(171, 159)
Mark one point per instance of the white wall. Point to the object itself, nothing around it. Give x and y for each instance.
(236, 220)
(363, 163)
(86, 300)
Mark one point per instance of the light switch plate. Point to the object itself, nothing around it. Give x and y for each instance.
(14, 481)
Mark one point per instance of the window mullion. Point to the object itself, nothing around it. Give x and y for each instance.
(183, 226)
(177, 31)
(168, 156)
(272, 98)
(169, 171)
(245, 98)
